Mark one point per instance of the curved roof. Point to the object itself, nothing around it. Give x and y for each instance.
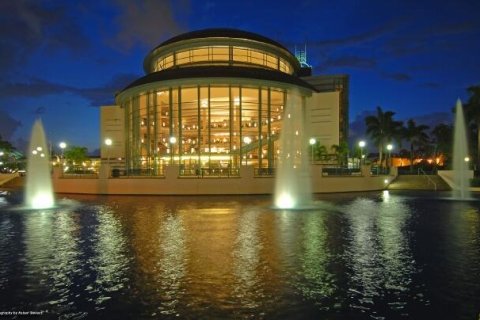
(219, 72)
(222, 33)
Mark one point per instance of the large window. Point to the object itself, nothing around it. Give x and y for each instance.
(223, 55)
(205, 130)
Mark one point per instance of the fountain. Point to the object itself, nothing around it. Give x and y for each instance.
(38, 190)
(293, 189)
(460, 153)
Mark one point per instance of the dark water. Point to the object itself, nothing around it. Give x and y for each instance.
(359, 256)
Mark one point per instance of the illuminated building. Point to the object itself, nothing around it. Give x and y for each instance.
(212, 101)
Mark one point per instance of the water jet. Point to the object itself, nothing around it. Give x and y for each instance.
(460, 154)
(293, 188)
(38, 188)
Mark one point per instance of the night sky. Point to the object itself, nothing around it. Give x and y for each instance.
(61, 60)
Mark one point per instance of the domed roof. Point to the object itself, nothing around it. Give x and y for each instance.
(221, 33)
(222, 72)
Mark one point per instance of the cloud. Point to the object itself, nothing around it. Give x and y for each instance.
(397, 76)
(105, 95)
(33, 89)
(26, 26)
(146, 22)
(349, 62)
(8, 125)
(436, 37)
(360, 38)
(431, 85)
(40, 110)
(433, 119)
(97, 96)
(357, 129)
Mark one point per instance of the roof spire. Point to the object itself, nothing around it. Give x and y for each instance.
(301, 56)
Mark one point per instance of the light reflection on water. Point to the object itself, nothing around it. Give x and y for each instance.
(359, 256)
(379, 256)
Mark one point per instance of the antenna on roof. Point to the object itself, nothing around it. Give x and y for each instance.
(301, 56)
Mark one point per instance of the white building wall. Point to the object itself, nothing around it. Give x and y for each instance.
(112, 122)
(322, 114)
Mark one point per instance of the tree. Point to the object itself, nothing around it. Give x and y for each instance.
(76, 155)
(382, 129)
(472, 114)
(319, 151)
(443, 140)
(341, 151)
(416, 136)
(6, 146)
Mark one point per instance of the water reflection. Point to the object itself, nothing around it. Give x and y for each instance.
(318, 284)
(211, 231)
(52, 260)
(246, 255)
(109, 258)
(306, 261)
(172, 263)
(379, 255)
(8, 254)
(459, 253)
(366, 257)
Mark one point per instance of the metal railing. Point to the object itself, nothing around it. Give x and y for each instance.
(379, 171)
(264, 172)
(209, 172)
(421, 171)
(341, 171)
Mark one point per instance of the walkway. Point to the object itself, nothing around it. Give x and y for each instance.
(419, 182)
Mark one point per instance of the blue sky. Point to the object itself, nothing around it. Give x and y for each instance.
(61, 60)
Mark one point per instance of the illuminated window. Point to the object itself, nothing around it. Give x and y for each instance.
(221, 55)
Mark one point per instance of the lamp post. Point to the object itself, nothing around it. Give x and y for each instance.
(172, 141)
(62, 146)
(389, 148)
(467, 160)
(312, 142)
(108, 143)
(362, 145)
(247, 141)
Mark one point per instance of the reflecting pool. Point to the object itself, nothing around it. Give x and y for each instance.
(358, 256)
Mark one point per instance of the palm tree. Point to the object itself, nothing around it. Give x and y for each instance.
(443, 140)
(319, 151)
(416, 136)
(6, 146)
(341, 151)
(472, 113)
(382, 129)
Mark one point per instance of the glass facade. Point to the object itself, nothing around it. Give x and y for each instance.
(204, 129)
(222, 55)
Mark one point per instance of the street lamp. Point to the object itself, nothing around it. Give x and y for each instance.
(389, 148)
(362, 145)
(108, 143)
(62, 146)
(467, 160)
(247, 141)
(172, 140)
(312, 142)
